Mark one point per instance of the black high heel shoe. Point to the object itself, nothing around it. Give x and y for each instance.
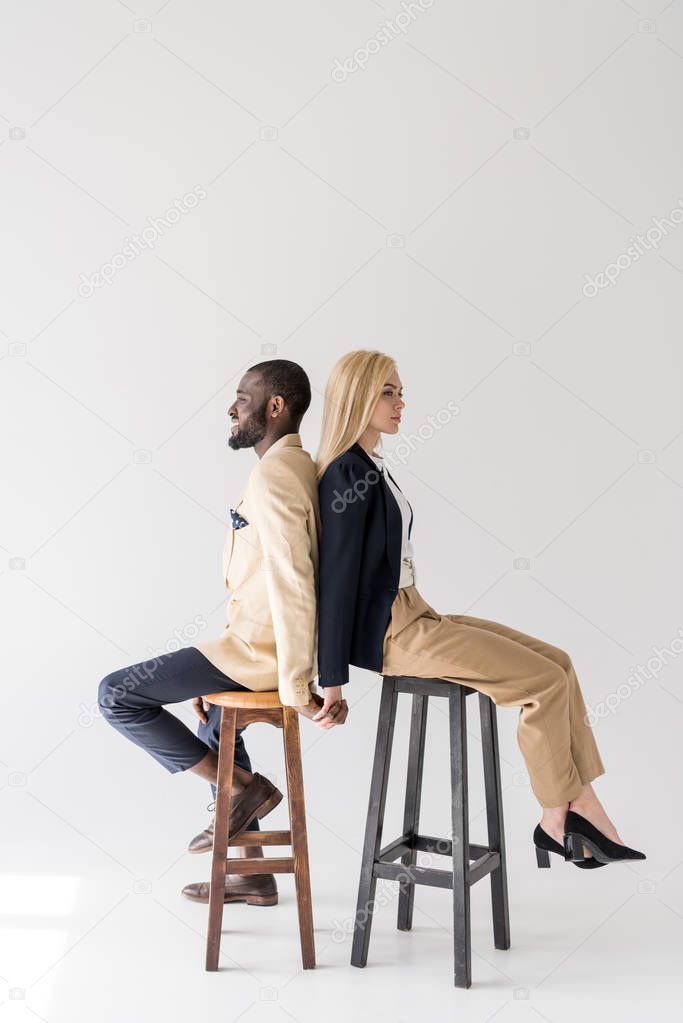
(579, 832)
(545, 844)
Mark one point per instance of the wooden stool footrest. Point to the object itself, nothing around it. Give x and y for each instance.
(262, 838)
(260, 865)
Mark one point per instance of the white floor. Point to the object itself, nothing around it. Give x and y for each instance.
(94, 924)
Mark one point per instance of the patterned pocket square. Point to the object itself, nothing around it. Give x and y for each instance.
(237, 520)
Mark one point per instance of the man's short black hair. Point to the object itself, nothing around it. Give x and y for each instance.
(288, 379)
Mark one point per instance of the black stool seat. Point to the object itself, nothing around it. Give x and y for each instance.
(469, 862)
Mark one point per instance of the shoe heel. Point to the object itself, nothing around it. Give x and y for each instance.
(262, 900)
(542, 857)
(573, 848)
(272, 802)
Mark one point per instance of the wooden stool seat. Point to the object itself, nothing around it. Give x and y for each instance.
(237, 710)
(248, 700)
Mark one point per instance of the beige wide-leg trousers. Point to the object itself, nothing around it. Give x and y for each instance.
(514, 670)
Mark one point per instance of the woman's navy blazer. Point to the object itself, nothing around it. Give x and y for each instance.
(359, 567)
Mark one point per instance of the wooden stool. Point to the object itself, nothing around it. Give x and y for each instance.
(488, 859)
(240, 709)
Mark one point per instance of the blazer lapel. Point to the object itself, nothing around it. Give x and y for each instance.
(392, 517)
(392, 512)
(410, 524)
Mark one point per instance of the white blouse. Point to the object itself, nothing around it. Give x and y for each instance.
(408, 576)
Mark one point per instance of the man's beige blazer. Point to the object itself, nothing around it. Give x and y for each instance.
(271, 566)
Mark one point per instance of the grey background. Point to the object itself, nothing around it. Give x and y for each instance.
(445, 205)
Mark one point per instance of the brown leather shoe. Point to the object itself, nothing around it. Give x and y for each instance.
(254, 889)
(202, 842)
(258, 799)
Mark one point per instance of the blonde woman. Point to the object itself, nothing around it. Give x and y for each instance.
(372, 615)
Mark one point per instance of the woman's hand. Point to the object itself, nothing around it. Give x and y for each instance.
(324, 715)
(334, 710)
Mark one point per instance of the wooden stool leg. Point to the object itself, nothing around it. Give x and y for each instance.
(494, 817)
(460, 822)
(374, 822)
(297, 818)
(226, 757)
(411, 813)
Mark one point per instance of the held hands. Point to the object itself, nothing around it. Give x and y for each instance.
(327, 713)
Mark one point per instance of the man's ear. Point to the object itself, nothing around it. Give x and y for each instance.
(276, 406)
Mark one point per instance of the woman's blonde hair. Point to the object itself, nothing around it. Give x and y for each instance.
(353, 389)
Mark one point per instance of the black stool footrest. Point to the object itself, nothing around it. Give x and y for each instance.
(484, 861)
(428, 844)
(418, 875)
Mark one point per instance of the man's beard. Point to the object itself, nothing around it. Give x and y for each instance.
(252, 432)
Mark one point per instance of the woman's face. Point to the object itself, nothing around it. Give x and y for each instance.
(387, 413)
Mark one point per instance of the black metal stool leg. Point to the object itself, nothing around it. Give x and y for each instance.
(462, 956)
(374, 823)
(494, 817)
(411, 814)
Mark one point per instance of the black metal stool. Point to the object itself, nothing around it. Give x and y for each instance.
(488, 859)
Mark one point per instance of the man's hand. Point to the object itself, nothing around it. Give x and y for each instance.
(200, 707)
(315, 711)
